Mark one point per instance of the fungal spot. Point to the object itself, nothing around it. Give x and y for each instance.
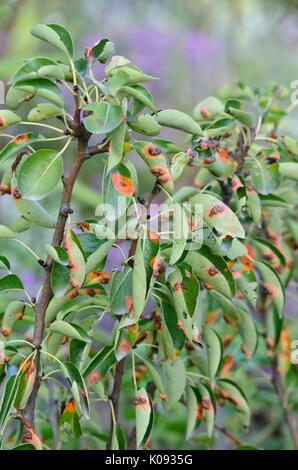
(151, 151)
(217, 210)
(204, 112)
(20, 138)
(153, 236)
(211, 271)
(122, 184)
(270, 289)
(2, 122)
(177, 287)
(141, 402)
(161, 173)
(93, 377)
(124, 346)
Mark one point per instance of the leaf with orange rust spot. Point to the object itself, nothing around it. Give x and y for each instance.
(125, 342)
(214, 348)
(191, 400)
(272, 285)
(208, 405)
(156, 374)
(118, 190)
(78, 388)
(212, 270)
(29, 434)
(185, 289)
(17, 144)
(157, 162)
(233, 394)
(70, 417)
(144, 417)
(219, 216)
(8, 399)
(120, 289)
(77, 270)
(151, 249)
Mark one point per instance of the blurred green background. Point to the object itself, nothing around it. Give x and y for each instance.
(195, 47)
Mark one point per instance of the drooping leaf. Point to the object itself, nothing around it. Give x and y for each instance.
(214, 350)
(55, 35)
(39, 174)
(144, 417)
(103, 117)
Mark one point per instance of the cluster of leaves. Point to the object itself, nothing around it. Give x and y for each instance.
(188, 314)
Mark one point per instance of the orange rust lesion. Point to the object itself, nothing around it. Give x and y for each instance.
(212, 271)
(204, 112)
(161, 173)
(3, 123)
(216, 210)
(141, 401)
(235, 183)
(124, 346)
(153, 236)
(151, 151)
(19, 139)
(122, 184)
(100, 277)
(270, 289)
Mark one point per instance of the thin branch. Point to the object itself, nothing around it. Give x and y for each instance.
(277, 382)
(115, 396)
(228, 434)
(69, 182)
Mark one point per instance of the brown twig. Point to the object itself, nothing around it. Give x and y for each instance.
(69, 182)
(277, 382)
(115, 396)
(228, 434)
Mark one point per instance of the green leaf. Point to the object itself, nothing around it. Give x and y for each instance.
(98, 255)
(58, 254)
(69, 329)
(18, 143)
(157, 163)
(55, 35)
(102, 361)
(272, 285)
(220, 127)
(39, 174)
(23, 447)
(144, 417)
(145, 124)
(116, 146)
(42, 87)
(141, 96)
(208, 109)
(265, 178)
(6, 233)
(179, 120)
(180, 229)
(35, 213)
(20, 224)
(8, 398)
(43, 111)
(118, 191)
(118, 439)
(4, 263)
(208, 405)
(77, 271)
(231, 392)
(191, 400)
(39, 67)
(139, 287)
(121, 292)
(60, 279)
(176, 380)
(10, 283)
(219, 216)
(214, 350)
(248, 332)
(245, 118)
(78, 388)
(8, 118)
(104, 118)
(289, 170)
(212, 270)
(156, 374)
